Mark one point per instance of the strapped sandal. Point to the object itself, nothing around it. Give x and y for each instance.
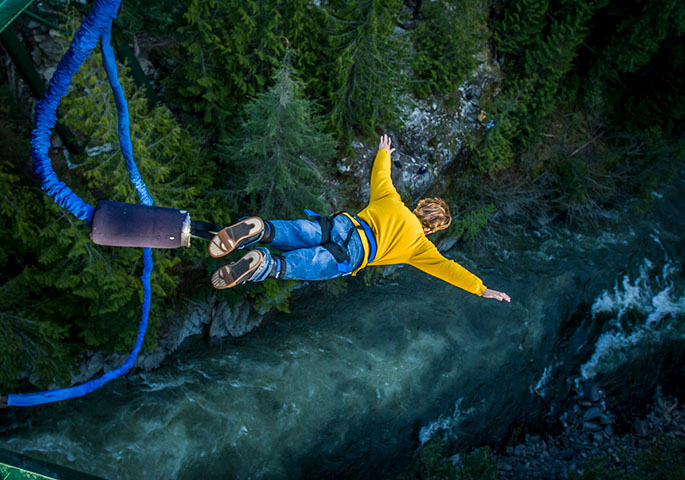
(228, 239)
(239, 272)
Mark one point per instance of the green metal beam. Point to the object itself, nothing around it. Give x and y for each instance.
(15, 466)
(21, 59)
(10, 9)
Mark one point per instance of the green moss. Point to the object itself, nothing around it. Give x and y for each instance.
(661, 459)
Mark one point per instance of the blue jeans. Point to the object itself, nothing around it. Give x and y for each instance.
(305, 258)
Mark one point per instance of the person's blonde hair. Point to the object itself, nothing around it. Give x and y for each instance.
(433, 213)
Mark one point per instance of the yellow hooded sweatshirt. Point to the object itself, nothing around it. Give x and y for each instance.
(399, 233)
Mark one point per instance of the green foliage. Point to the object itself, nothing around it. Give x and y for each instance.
(171, 164)
(232, 49)
(447, 38)
(271, 294)
(540, 48)
(155, 18)
(641, 30)
(366, 81)
(433, 463)
(520, 28)
(374, 274)
(62, 294)
(280, 153)
(478, 465)
(29, 332)
(498, 149)
(663, 458)
(471, 224)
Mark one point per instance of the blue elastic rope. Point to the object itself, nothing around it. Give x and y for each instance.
(98, 23)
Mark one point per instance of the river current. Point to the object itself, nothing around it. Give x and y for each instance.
(350, 386)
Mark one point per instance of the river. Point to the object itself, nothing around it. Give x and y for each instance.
(350, 386)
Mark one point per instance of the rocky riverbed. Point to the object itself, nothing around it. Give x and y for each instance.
(593, 437)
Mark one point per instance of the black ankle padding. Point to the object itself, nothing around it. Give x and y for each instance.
(277, 259)
(284, 267)
(269, 234)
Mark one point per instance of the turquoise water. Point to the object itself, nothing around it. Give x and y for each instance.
(351, 386)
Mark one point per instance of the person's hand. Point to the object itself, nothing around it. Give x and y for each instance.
(385, 143)
(3, 401)
(495, 295)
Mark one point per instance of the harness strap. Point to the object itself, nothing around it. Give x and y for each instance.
(340, 252)
(368, 241)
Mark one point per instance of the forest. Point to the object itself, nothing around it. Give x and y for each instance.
(247, 107)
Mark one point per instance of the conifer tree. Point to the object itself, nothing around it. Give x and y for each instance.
(540, 52)
(520, 27)
(65, 294)
(233, 49)
(641, 29)
(366, 81)
(280, 153)
(447, 37)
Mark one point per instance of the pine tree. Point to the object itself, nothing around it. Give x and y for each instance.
(280, 153)
(60, 293)
(520, 28)
(541, 53)
(233, 49)
(447, 36)
(366, 81)
(641, 29)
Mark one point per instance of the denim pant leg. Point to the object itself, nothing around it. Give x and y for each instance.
(314, 262)
(294, 234)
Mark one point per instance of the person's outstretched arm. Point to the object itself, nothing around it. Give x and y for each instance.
(495, 295)
(428, 259)
(385, 143)
(381, 183)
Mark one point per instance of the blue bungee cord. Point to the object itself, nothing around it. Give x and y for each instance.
(96, 25)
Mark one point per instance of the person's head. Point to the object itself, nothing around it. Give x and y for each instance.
(434, 214)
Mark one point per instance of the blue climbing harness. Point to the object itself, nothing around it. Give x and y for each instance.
(339, 252)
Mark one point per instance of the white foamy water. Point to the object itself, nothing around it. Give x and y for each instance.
(654, 295)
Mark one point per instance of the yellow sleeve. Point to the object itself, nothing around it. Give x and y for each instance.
(381, 182)
(428, 259)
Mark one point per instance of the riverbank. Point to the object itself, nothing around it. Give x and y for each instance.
(596, 443)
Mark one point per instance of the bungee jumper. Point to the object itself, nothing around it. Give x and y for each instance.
(385, 232)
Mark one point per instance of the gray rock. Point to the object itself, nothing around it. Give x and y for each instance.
(591, 427)
(236, 321)
(92, 365)
(605, 420)
(189, 322)
(640, 428)
(456, 460)
(150, 361)
(593, 393)
(592, 414)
